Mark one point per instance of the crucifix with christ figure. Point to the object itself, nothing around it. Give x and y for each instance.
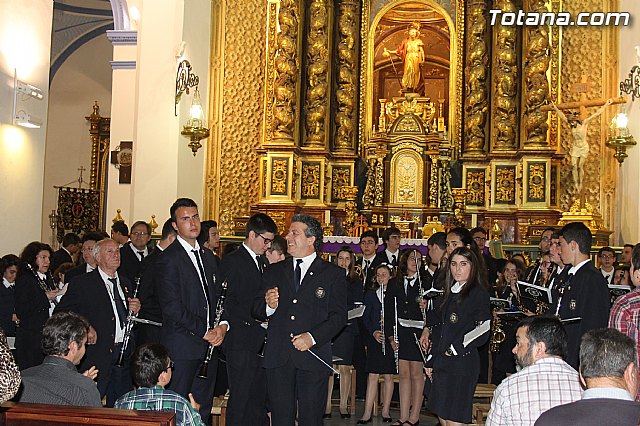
(579, 121)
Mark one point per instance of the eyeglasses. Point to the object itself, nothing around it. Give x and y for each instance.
(479, 238)
(608, 256)
(266, 240)
(170, 366)
(139, 233)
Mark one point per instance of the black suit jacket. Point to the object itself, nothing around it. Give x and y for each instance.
(60, 256)
(592, 412)
(148, 293)
(129, 262)
(183, 302)
(318, 307)
(7, 309)
(244, 281)
(74, 272)
(586, 295)
(88, 296)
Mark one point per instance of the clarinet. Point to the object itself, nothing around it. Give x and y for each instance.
(204, 367)
(128, 328)
(421, 291)
(384, 342)
(395, 334)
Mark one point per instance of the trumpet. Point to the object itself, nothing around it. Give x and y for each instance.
(128, 328)
(204, 367)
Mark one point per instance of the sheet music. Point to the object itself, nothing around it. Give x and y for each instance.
(536, 292)
(355, 312)
(476, 332)
(499, 303)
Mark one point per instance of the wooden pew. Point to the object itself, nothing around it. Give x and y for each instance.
(24, 414)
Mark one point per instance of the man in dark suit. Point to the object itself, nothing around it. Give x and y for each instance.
(391, 253)
(66, 253)
(305, 299)
(609, 373)
(532, 274)
(188, 290)
(585, 294)
(150, 310)
(101, 297)
(133, 252)
(242, 270)
(88, 241)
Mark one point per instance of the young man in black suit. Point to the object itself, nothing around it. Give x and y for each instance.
(585, 294)
(242, 270)
(70, 246)
(305, 299)
(609, 373)
(188, 290)
(133, 253)
(101, 297)
(391, 253)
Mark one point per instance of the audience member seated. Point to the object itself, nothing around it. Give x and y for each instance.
(56, 380)
(545, 379)
(9, 373)
(608, 371)
(151, 369)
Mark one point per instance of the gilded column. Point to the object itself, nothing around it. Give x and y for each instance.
(347, 90)
(282, 69)
(505, 78)
(535, 83)
(476, 102)
(318, 75)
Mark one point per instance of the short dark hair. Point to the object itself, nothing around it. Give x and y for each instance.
(147, 363)
(629, 245)
(314, 229)
(500, 265)
(548, 330)
(578, 232)
(548, 228)
(635, 257)
(606, 352)
(260, 223)
(478, 229)
(29, 253)
(62, 329)
(167, 230)
(279, 244)
(121, 228)
(142, 222)
(70, 239)
(439, 239)
(464, 235)
(389, 232)
(7, 261)
(92, 236)
(607, 249)
(205, 226)
(370, 233)
(181, 202)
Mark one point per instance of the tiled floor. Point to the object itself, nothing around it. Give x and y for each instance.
(335, 420)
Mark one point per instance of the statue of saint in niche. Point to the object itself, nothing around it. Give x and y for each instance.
(411, 51)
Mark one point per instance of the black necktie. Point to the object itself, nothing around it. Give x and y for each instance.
(259, 260)
(394, 262)
(367, 264)
(141, 253)
(297, 274)
(121, 309)
(203, 278)
(406, 287)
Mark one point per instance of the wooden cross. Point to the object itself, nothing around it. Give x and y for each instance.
(583, 87)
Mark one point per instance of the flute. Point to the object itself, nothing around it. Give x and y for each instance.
(421, 291)
(395, 334)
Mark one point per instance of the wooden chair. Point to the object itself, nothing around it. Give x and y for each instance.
(480, 412)
(378, 400)
(219, 410)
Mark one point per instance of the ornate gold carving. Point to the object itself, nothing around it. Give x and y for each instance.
(282, 70)
(476, 105)
(536, 86)
(310, 180)
(347, 76)
(99, 132)
(536, 182)
(379, 183)
(279, 217)
(341, 177)
(369, 196)
(406, 178)
(351, 212)
(505, 184)
(279, 176)
(475, 182)
(433, 182)
(505, 82)
(409, 115)
(317, 102)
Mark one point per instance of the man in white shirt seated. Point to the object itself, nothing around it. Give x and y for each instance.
(545, 379)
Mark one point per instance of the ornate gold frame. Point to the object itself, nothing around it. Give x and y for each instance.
(455, 72)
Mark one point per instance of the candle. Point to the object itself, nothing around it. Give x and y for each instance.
(474, 220)
(327, 216)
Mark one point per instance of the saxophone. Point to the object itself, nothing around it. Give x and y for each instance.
(498, 335)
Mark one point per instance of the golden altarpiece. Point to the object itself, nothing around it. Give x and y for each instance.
(338, 122)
